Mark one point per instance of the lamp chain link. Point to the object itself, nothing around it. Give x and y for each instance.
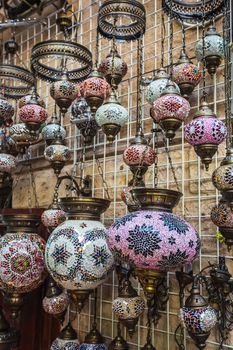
(139, 85)
(204, 93)
(163, 33)
(101, 173)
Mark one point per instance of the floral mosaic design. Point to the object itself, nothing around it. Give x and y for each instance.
(222, 215)
(80, 110)
(51, 131)
(170, 106)
(214, 46)
(53, 217)
(6, 109)
(205, 130)
(60, 344)
(119, 66)
(7, 163)
(57, 304)
(186, 73)
(77, 254)
(111, 113)
(200, 320)
(59, 153)
(127, 308)
(223, 177)
(154, 240)
(21, 135)
(156, 88)
(32, 113)
(63, 89)
(139, 154)
(95, 87)
(22, 267)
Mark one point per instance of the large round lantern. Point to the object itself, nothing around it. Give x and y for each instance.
(205, 132)
(111, 116)
(23, 136)
(186, 74)
(57, 154)
(6, 110)
(157, 86)
(67, 339)
(222, 216)
(170, 110)
(153, 239)
(77, 254)
(113, 68)
(139, 156)
(95, 90)
(22, 267)
(213, 49)
(63, 92)
(53, 130)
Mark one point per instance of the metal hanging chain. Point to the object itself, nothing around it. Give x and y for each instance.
(204, 93)
(94, 324)
(156, 130)
(170, 160)
(183, 37)
(139, 85)
(171, 40)
(32, 183)
(97, 49)
(139, 167)
(101, 173)
(113, 55)
(163, 34)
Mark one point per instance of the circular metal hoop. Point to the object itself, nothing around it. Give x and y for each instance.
(124, 10)
(192, 11)
(22, 76)
(64, 50)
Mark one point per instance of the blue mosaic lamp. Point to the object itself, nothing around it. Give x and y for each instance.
(67, 340)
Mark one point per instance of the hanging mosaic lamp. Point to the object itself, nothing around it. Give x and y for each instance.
(222, 216)
(77, 255)
(95, 90)
(22, 267)
(63, 92)
(9, 337)
(23, 136)
(213, 50)
(157, 86)
(128, 306)
(205, 132)
(111, 116)
(32, 114)
(170, 110)
(55, 301)
(7, 160)
(186, 74)
(113, 68)
(84, 119)
(52, 130)
(53, 217)
(222, 177)
(198, 317)
(6, 110)
(57, 154)
(153, 239)
(93, 341)
(139, 156)
(67, 340)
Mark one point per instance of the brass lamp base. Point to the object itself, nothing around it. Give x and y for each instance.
(14, 302)
(228, 196)
(200, 339)
(206, 153)
(130, 324)
(94, 102)
(212, 63)
(114, 80)
(79, 297)
(111, 130)
(227, 233)
(57, 167)
(138, 173)
(118, 343)
(170, 126)
(63, 104)
(149, 280)
(186, 89)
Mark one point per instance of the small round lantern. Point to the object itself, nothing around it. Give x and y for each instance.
(157, 86)
(205, 132)
(67, 340)
(55, 301)
(139, 156)
(7, 163)
(53, 130)
(63, 92)
(186, 74)
(222, 216)
(57, 154)
(93, 341)
(6, 110)
(32, 114)
(77, 254)
(84, 119)
(95, 90)
(113, 68)
(213, 50)
(153, 239)
(198, 317)
(23, 136)
(222, 177)
(26, 99)
(170, 110)
(111, 116)
(53, 217)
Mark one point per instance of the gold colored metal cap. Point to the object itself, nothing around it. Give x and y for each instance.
(170, 89)
(195, 300)
(204, 111)
(183, 58)
(94, 337)
(68, 333)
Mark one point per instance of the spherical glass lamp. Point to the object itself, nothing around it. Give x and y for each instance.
(67, 339)
(6, 109)
(222, 216)
(213, 49)
(205, 132)
(23, 136)
(57, 154)
(55, 301)
(53, 130)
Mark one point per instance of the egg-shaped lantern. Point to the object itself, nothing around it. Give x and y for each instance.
(57, 154)
(222, 216)
(56, 300)
(53, 130)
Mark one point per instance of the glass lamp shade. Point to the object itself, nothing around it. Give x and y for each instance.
(67, 340)
(111, 116)
(128, 308)
(33, 115)
(22, 135)
(113, 68)
(56, 304)
(57, 154)
(52, 130)
(200, 320)
(222, 216)
(170, 110)
(26, 99)
(186, 74)
(95, 90)
(154, 238)
(157, 86)
(22, 267)
(51, 218)
(7, 163)
(77, 255)
(222, 177)
(213, 50)
(139, 154)
(63, 92)
(6, 109)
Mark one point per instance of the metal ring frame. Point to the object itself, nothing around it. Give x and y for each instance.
(131, 9)
(192, 12)
(19, 75)
(60, 49)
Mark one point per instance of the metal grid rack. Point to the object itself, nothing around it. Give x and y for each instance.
(199, 194)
